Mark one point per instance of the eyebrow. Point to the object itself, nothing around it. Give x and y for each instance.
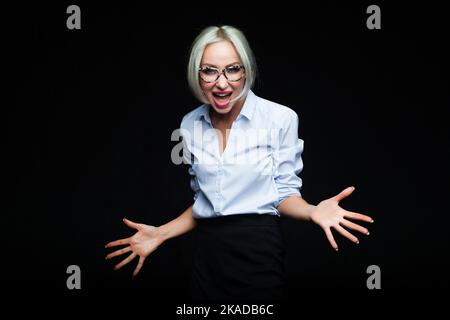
(214, 66)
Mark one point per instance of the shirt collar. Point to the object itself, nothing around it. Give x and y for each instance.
(248, 109)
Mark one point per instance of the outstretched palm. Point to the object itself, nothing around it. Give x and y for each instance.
(142, 243)
(328, 214)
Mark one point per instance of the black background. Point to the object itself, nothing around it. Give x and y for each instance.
(88, 140)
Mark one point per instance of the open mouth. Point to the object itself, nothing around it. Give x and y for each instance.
(222, 99)
(221, 96)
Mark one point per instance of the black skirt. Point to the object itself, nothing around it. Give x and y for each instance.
(238, 257)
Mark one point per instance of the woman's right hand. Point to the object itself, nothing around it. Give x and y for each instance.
(142, 243)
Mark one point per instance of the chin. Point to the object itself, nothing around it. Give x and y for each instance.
(222, 111)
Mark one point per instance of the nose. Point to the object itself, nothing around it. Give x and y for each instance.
(222, 82)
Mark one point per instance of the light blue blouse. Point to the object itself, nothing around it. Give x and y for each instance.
(258, 168)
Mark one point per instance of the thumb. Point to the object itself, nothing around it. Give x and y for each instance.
(132, 224)
(345, 193)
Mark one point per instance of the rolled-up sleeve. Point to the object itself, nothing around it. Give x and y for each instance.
(194, 183)
(288, 161)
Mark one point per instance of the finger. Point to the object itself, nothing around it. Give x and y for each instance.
(132, 224)
(139, 266)
(331, 238)
(118, 243)
(345, 193)
(346, 234)
(354, 226)
(125, 261)
(118, 252)
(357, 216)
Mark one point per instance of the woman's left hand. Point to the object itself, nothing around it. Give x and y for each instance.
(328, 214)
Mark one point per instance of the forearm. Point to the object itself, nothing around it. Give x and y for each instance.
(178, 226)
(296, 207)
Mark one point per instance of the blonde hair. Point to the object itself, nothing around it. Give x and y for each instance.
(215, 34)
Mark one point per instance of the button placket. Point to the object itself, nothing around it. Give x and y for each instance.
(219, 184)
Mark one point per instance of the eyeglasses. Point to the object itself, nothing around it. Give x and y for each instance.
(232, 73)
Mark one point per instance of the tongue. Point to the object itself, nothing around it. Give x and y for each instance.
(222, 102)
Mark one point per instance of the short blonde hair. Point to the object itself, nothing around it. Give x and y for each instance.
(215, 34)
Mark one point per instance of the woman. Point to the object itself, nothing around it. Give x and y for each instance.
(244, 155)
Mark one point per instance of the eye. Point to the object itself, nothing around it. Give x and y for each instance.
(234, 69)
(209, 71)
